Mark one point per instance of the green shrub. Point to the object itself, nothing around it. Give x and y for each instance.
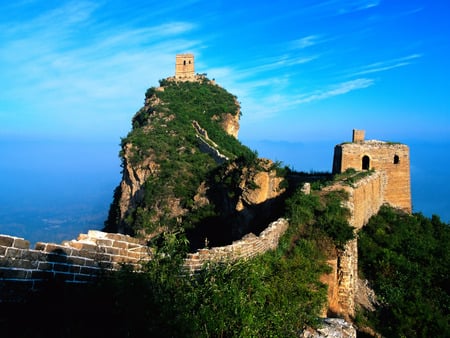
(407, 259)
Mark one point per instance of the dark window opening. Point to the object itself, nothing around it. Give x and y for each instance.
(184, 63)
(396, 159)
(365, 162)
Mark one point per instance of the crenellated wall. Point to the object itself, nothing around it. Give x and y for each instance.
(77, 261)
(23, 269)
(249, 246)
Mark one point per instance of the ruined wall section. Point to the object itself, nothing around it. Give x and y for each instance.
(366, 196)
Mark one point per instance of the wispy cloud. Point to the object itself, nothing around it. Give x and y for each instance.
(386, 65)
(339, 89)
(306, 41)
(67, 59)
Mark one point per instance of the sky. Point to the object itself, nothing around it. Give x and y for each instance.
(302, 70)
(73, 73)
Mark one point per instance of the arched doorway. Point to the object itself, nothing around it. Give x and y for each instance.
(365, 162)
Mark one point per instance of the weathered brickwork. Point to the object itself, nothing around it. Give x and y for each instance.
(392, 158)
(365, 198)
(23, 270)
(249, 246)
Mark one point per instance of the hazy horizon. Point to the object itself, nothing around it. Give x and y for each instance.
(304, 72)
(53, 192)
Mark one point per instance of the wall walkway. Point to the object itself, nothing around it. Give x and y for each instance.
(23, 270)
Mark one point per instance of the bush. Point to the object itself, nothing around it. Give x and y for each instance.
(407, 259)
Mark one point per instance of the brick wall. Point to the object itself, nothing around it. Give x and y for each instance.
(249, 246)
(366, 197)
(23, 269)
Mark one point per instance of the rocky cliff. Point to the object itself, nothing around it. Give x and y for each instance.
(183, 166)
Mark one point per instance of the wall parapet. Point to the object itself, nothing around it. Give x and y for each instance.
(249, 246)
(24, 270)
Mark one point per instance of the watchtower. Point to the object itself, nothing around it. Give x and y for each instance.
(184, 67)
(392, 158)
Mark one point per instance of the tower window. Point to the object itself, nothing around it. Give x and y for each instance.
(396, 159)
(365, 162)
(184, 63)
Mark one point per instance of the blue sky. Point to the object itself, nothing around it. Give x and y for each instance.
(73, 73)
(302, 70)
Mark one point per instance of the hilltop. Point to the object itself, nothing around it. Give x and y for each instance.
(184, 166)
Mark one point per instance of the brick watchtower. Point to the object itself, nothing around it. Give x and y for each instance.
(392, 158)
(184, 67)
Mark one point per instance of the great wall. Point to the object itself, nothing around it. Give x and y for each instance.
(24, 269)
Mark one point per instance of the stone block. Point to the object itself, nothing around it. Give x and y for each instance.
(56, 258)
(26, 264)
(83, 246)
(104, 242)
(120, 244)
(13, 273)
(21, 243)
(61, 267)
(13, 253)
(86, 270)
(87, 254)
(75, 260)
(41, 274)
(33, 255)
(112, 251)
(6, 240)
(45, 266)
(84, 278)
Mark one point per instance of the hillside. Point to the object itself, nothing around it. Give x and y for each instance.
(183, 166)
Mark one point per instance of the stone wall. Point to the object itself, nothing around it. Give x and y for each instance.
(23, 269)
(366, 197)
(249, 246)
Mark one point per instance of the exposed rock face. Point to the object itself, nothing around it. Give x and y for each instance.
(166, 174)
(331, 328)
(133, 179)
(230, 124)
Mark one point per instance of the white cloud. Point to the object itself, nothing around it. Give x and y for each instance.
(340, 89)
(386, 65)
(306, 41)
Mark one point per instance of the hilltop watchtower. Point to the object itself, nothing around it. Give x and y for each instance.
(184, 67)
(392, 158)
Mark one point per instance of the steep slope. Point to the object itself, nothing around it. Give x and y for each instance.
(183, 166)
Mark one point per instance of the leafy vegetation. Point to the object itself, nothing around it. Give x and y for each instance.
(321, 216)
(273, 295)
(407, 260)
(163, 132)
